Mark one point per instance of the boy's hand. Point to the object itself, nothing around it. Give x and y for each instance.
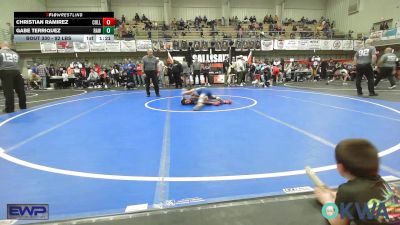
(324, 195)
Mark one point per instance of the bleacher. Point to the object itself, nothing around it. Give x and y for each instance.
(230, 31)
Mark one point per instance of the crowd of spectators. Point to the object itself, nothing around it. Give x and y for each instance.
(248, 27)
(128, 74)
(85, 75)
(130, 29)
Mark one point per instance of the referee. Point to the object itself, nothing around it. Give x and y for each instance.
(364, 58)
(150, 69)
(387, 67)
(11, 78)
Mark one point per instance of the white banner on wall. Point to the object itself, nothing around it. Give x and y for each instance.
(81, 47)
(376, 35)
(143, 45)
(279, 44)
(114, 46)
(302, 45)
(267, 45)
(336, 45)
(313, 45)
(97, 46)
(325, 45)
(65, 47)
(48, 47)
(291, 44)
(128, 46)
(347, 45)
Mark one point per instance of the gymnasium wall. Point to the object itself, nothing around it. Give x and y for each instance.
(312, 9)
(370, 12)
(190, 9)
(153, 9)
(258, 8)
(76, 5)
(8, 9)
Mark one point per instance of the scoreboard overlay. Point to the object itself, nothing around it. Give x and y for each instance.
(64, 26)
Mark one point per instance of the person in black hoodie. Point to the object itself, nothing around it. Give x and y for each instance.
(177, 71)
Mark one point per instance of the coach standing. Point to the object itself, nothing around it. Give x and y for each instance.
(387, 67)
(364, 58)
(11, 78)
(150, 69)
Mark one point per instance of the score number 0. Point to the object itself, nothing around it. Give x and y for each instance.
(108, 21)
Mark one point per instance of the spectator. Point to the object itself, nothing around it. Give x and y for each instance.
(240, 32)
(206, 73)
(84, 72)
(137, 17)
(161, 70)
(276, 19)
(265, 19)
(186, 72)
(52, 70)
(251, 19)
(92, 79)
(43, 73)
(144, 18)
(286, 22)
(123, 19)
(385, 26)
(29, 71)
(34, 68)
(65, 78)
(271, 29)
(181, 24)
(139, 78)
(176, 72)
(260, 26)
(102, 82)
(381, 26)
(240, 69)
(357, 160)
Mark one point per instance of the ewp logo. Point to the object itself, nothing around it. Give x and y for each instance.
(375, 212)
(27, 211)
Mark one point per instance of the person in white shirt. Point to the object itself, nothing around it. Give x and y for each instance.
(65, 78)
(240, 70)
(231, 73)
(115, 76)
(161, 70)
(92, 78)
(29, 72)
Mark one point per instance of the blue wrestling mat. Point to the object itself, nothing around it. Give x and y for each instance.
(100, 152)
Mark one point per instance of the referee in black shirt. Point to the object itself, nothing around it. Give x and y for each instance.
(11, 78)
